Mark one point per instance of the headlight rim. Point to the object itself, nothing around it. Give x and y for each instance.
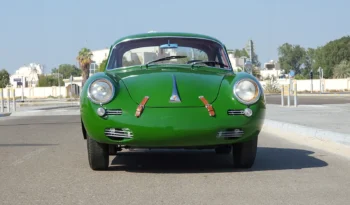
(256, 86)
(103, 80)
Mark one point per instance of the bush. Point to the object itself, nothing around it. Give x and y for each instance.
(272, 87)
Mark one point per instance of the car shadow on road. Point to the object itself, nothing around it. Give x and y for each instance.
(174, 161)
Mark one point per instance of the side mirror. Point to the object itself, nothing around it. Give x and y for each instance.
(248, 67)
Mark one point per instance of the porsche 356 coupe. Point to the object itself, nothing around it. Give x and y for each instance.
(171, 90)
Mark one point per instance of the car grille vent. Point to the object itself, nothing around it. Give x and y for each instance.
(229, 134)
(235, 112)
(119, 134)
(114, 112)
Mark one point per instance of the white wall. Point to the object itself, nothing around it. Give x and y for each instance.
(334, 84)
(328, 84)
(39, 92)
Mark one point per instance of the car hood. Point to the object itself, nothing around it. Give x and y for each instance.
(160, 85)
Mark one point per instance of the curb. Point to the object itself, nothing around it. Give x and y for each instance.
(48, 104)
(33, 113)
(326, 95)
(316, 133)
(312, 95)
(5, 114)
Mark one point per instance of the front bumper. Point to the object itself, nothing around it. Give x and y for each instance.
(172, 127)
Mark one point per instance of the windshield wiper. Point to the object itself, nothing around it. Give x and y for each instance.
(164, 59)
(209, 62)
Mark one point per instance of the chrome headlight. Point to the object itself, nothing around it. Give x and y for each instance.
(101, 91)
(247, 91)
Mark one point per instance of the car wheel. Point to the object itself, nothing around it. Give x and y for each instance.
(244, 153)
(223, 149)
(98, 154)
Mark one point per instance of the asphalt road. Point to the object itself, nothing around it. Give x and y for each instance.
(43, 160)
(309, 100)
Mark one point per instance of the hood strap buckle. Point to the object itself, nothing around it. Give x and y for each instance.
(208, 106)
(141, 106)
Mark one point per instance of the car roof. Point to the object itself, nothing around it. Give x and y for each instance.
(165, 34)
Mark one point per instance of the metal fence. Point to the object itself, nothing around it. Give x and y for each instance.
(7, 104)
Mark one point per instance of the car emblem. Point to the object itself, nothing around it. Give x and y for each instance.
(175, 95)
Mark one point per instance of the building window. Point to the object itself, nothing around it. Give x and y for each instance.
(93, 68)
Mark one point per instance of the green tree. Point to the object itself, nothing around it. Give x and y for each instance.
(342, 70)
(49, 81)
(66, 70)
(291, 57)
(84, 59)
(301, 77)
(4, 78)
(102, 66)
(332, 54)
(309, 62)
(240, 53)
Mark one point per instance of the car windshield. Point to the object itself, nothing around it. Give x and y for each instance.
(143, 51)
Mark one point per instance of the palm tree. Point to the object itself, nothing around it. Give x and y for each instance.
(342, 70)
(84, 59)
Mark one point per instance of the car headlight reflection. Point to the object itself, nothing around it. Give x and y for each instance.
(101, 91)
(247, 91)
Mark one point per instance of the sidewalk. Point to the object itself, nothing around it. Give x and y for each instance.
(47, 103)
(325, 122)
(33, 107)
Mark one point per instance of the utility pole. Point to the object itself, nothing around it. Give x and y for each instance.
(2, 100)
(59, 83)
(8, 99)
(251, 50)
(320, 71)
(71, 85)
(311, 77)
(23, 84)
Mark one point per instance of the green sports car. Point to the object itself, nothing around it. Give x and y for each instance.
(171, 90)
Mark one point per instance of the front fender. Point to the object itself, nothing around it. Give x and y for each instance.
(226, 89)
(120, 99)
(226, 98)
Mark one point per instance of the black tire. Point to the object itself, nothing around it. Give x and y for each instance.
(223, 149)
(244, 153)
(98, 154)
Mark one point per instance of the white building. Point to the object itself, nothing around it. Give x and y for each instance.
(237, 63)
(29, 74)
(97, 57)
(270, 69)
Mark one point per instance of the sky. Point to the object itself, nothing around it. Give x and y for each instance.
(52, 32)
